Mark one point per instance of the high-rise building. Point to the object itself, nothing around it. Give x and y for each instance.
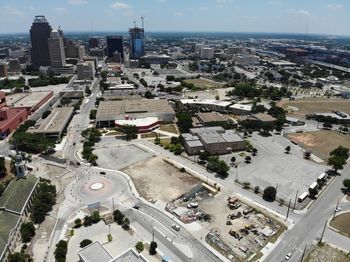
(115, 45)
(39, 35)
(93, 42)
(137, 42)
(74, 50)
(56, 49)
(207, 53)
(3, 72)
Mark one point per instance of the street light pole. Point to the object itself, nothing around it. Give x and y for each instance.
(295, 200)
(324, 229)
(290, 200)
(302, 257)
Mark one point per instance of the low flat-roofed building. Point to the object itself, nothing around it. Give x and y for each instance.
(210, 104)
(30, 101)
(95, 252)
(14, 205)
(212, 118)
(240, 109)
(54, 125)
(192, 144)
(144, 125)
(264, 118)
(109, 111)
(216, 140)
(10, 119)
(73, 95)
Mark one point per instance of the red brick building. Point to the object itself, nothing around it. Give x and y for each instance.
(10, 118)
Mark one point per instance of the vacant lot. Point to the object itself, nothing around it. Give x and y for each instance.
(326, 253)
(169, 128)
(204, 83)
(300, 108)
(157, 180)
(341, 223)
(320, 143)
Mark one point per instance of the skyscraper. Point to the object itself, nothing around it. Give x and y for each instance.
(39, 35)
(137, 42)
(56, 49)
(115, 44)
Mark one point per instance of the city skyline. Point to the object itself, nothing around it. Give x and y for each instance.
(277, 16)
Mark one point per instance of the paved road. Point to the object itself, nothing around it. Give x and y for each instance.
(308, 230)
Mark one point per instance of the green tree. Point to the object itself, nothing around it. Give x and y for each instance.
(336, 162)
(85, 243)
(77, 223)
(218, 166)
(61, 251)
(27, 231)
(307, 155)
(93, 113)
(3, 170)
(149, 95)
(130, 131)
(184, 121)
(17, 257)
(248, 159)
(346, 183)
(270, 194)
(139, 247)
(95, 217)
(153, 248)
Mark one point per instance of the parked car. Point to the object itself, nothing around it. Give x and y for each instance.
(176, 227)
(288, 256)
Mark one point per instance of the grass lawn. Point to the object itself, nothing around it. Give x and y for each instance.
(169, 128)
(321, 143)
(204, 83)
(149, 135)
(341, 222)
(326, 253)
(302, 107)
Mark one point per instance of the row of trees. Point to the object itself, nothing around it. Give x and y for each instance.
(45, 198)
(29, 142)
(338, 158)
(92, 136)
(246, 90)
(48, 80)
(15, 83)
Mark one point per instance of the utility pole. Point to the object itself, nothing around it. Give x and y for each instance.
(290, 200)
(295, 200)
(302, 256)
(324, 229)
(112, 204)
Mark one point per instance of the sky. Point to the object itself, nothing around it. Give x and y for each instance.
(283, 16)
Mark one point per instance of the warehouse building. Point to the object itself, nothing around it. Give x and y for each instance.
(214, 140)
(30, 101)
(54, 125)
(110, 111)
(205, 105)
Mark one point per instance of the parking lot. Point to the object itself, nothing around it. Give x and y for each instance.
(119, 157)
(273, 167)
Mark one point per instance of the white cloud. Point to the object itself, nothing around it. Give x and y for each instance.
(120, 5)
(335, 7)
(298, 12)
(13, 10)
(32, 8)
(178, 14)
(77, 2)
(203, 8)
(61, 10)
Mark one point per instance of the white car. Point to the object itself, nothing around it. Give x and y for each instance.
(288, 256)
(176, 227)
(337, 209)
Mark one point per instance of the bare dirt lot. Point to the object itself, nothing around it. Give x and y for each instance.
(326, 253)
(300, 108)
(341, 223)
(320, 143)
(157, 180)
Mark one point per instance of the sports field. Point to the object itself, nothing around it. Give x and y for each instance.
(320, 143)
(204, 83)
(302, 107)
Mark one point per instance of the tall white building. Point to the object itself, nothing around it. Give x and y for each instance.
(56, 49)
(207, 53)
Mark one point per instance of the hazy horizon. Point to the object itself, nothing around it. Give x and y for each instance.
(316, 17)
